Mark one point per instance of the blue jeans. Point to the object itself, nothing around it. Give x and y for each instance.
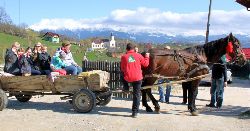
(161, 92)
(217, 90)
(73, 70)
(35, 72)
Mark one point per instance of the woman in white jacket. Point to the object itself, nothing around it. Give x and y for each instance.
(71, 66)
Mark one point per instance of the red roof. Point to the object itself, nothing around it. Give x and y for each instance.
(247, 52)
(51, 34)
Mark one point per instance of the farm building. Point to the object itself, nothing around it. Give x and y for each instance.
(104, 43)
(52, 37)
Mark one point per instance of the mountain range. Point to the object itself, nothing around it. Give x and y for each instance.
(146, 37)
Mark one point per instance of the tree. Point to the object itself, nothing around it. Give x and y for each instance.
(4, 17)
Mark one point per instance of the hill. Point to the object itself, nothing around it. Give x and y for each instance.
(78, 52)
(147, 37)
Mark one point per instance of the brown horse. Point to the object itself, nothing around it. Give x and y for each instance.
(188, 63)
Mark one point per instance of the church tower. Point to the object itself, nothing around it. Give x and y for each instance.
(112, 41)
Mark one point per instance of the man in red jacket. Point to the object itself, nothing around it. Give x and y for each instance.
(131, 63)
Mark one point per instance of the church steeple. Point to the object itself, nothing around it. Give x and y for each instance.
(112, 36)
(112, 40)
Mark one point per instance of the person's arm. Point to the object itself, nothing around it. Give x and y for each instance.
(49, 58)
(9, 56)
(122, 63)
(72, 59)
(57, 63)
(144, 60)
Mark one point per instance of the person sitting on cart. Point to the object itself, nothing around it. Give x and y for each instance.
(34, 55)
(57, 63)
(44, 60)
(11, 60)
(30, 63)
(71, 66)
(23, 63)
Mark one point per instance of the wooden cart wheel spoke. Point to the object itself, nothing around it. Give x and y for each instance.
(83, 101)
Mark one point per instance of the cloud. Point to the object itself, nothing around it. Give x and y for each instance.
(156, 21)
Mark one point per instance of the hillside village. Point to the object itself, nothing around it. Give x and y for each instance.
(85, 72)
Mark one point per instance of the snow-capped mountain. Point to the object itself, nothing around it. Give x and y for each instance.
(145, 36)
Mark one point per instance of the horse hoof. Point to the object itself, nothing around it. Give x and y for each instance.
(157, 109)
(194, 113)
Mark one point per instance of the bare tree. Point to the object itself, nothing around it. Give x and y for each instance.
(4, 17)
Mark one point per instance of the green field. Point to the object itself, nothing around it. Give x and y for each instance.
(78, 52)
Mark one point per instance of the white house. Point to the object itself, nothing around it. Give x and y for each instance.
(97, 44)
(103, 43)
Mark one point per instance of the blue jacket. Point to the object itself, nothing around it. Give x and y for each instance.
(57, 63)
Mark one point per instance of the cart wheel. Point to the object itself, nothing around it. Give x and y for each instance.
(23, 98)
(3, 100)
(103, 101)
(84, 101)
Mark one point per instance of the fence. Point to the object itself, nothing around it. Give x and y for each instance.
(115, 74)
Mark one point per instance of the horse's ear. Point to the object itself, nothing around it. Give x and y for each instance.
(231, 35)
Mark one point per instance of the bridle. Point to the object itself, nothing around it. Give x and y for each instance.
(237, 51)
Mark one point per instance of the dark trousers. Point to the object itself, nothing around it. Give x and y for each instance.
(124, 82)
(35, 72)
(45, 72)
(185, 87)
(136, 95)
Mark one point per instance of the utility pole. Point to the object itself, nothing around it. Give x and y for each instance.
(19, 12)
(208, 20)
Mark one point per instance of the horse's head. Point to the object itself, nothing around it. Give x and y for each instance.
(234, 50)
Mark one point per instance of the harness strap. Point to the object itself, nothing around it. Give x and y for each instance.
(175, 82)
(178, 57)
(200, 67)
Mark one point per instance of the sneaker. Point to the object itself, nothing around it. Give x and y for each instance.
(219, 103)
(134, 114)
(210, 105)
(218, 107)
(184, 103)
(167, 102)
(162, 101)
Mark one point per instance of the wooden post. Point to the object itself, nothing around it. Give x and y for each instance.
(208, 20)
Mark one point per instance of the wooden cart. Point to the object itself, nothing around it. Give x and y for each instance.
(84, 91)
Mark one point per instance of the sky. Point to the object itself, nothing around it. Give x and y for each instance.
(172, 17)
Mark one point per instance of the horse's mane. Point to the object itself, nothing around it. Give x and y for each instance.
(209, 49)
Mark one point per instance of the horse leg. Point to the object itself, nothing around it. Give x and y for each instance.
(154, 101)
(144, 100)
(185, 86)
(190, 94)
(194, 92)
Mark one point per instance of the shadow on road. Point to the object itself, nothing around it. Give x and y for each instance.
(226, 111)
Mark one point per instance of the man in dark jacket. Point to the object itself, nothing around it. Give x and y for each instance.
(131, 64)
(219, 81)
(11, 60)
